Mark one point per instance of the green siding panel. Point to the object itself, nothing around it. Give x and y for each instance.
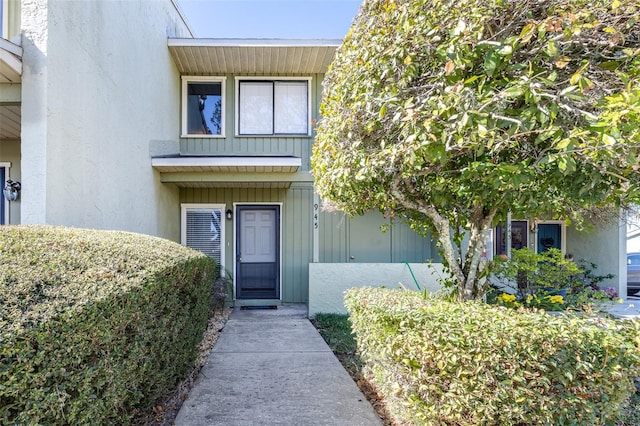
(297, 248)
(361, 237)
(333, 237)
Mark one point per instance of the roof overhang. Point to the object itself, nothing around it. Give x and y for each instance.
(249, 56)
(10, 62)
(230, 172)
(10, 90)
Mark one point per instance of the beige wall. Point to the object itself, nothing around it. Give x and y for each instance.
(100, 96)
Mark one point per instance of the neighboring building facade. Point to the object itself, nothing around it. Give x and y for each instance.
(112, 116)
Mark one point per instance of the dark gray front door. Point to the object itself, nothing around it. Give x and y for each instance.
(258, 252)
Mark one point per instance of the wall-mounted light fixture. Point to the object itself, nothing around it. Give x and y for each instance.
(229, 214)
(11, 190)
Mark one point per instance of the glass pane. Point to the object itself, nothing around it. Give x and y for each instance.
(204, 108)
(256, 108)
(291, 107)
(519, 236)
(205, 231)
(549, 236)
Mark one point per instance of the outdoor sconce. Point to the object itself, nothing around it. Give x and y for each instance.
(229, 214)
(11, 190)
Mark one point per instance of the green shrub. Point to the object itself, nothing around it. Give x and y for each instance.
(548, 281)
(447, 363)
(94, 323)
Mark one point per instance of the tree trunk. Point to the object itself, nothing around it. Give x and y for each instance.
(467, 270)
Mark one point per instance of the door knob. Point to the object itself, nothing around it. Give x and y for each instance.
(352, 257)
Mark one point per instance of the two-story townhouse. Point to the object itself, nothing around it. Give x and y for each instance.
(113, 116)
(243, 169)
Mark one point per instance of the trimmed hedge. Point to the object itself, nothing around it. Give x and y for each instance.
(445, 363)
(94, 324)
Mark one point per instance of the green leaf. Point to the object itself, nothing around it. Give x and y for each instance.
(491, 61)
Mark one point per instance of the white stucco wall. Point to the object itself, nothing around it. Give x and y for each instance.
(100, 94)
(329, 281)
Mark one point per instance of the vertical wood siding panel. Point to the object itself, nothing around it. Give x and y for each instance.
(297, 244)
(333, 237)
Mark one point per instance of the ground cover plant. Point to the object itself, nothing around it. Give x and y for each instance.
(448, 363)
(450, 115)
(335, 329)
(95, 324)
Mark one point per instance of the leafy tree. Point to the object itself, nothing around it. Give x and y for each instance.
(449, 114)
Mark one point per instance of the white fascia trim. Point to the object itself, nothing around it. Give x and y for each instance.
(227, 162)
(11, 47)
(252, 42)
(213, 79)
(11, 61)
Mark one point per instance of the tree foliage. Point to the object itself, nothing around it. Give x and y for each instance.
(449, 114)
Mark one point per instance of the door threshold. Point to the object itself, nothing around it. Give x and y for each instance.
(259, 308)
(257, 302)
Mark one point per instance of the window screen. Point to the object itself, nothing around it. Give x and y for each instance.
(256, 108)
(273, 108)
(290, 107)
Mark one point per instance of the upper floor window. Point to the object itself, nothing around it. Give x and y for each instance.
(273, 107)
(203, 106)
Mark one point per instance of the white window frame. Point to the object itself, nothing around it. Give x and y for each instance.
(4, 31)
(563, 234)
(239, 79)
(7, 175)
(183, 226)
(202, 79)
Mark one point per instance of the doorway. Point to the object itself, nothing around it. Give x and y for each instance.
(258, 252)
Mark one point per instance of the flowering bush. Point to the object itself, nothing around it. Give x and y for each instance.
(527, 272)
(548, 281)
(539, 301)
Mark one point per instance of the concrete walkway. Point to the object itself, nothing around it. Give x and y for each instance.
(272, 367)
(629, 309)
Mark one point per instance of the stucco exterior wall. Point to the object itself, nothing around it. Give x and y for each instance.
(101, 94)
(329, 281)
(606, 247)
(10, 153)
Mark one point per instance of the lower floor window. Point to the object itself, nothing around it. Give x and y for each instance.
(203, 229)
(543, 236)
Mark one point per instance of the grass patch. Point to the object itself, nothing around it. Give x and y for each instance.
(335, 329)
